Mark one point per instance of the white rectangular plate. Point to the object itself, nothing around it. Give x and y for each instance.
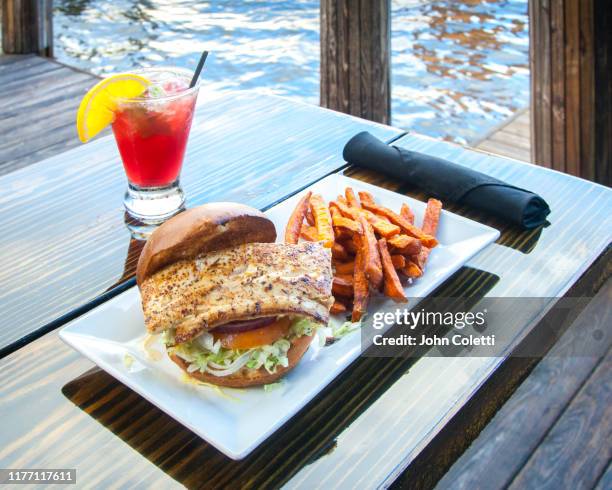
(237, 421)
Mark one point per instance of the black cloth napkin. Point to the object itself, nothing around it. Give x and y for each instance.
(448, 181)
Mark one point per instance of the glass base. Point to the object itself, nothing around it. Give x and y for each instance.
(153, 205)
(138, 230)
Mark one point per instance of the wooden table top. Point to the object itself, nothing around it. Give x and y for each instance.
(365, 428)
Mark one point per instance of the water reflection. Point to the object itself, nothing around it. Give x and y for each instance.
(459, 67)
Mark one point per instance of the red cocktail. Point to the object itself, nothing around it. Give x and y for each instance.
(151, 133)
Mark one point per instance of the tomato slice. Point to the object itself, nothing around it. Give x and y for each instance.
(254, 338)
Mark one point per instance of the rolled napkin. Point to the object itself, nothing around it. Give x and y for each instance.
(448, 181)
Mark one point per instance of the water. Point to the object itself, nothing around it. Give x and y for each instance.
(458, 67)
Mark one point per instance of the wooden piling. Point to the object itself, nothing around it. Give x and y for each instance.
(571, 86)
(355, 57)
(27, 27)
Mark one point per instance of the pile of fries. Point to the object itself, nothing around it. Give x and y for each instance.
(371, 245)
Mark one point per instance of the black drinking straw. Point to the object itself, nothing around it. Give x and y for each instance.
(198, 70)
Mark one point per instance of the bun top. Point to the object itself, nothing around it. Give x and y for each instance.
(200, 230)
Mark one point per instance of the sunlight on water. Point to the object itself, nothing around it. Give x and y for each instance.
(458, 67)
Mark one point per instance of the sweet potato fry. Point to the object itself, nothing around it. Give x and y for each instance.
(341, 199)
(399, 261)
(392, 285)
(294, 225)
(381, 226)
(345, 267)
(407, 214)
(421, 258)
(360, 287)
(337, 308)
(340, 221)
(430, 226)
(351, 198)
(309, 233)
(407, 228)
(342, 234)
(339, 252)
(366, 197)
(432, 217)
(371, 256)
(405, 245)
(412, 269)
(309, 217)
(350, 246)
(345, 209)
(342, 285)
(323, 220)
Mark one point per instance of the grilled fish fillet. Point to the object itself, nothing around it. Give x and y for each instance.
(250, 281)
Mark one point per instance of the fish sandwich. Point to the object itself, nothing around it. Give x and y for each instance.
(235, 308)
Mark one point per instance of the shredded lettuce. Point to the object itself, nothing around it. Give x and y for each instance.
(273, 386)
(302, 326)
(204, 360)
(206, 355)
(345, 329)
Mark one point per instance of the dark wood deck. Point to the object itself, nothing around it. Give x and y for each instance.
(556, 426)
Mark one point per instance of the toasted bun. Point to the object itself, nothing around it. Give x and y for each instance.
(203, 229)
(252, 377)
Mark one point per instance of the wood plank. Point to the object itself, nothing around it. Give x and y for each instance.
(524, 118)
(26, 101)
(545, 137)
(519, 129)
(572, 85)
(380, 85)
(13, 62)
(354, 40)
(605, 482)
(28, 74)
(342, 61)
(506, 150)
(37, 83)
(557, 26)
(587, 168)
(539, 45)
(56, 105)
(332, 49)
(38, 104)
(508, 441)
(367, 33)
(535, 120)
(8, 59)
(508, 138)
(577, 449)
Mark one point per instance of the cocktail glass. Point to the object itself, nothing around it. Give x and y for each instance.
(151, 133)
